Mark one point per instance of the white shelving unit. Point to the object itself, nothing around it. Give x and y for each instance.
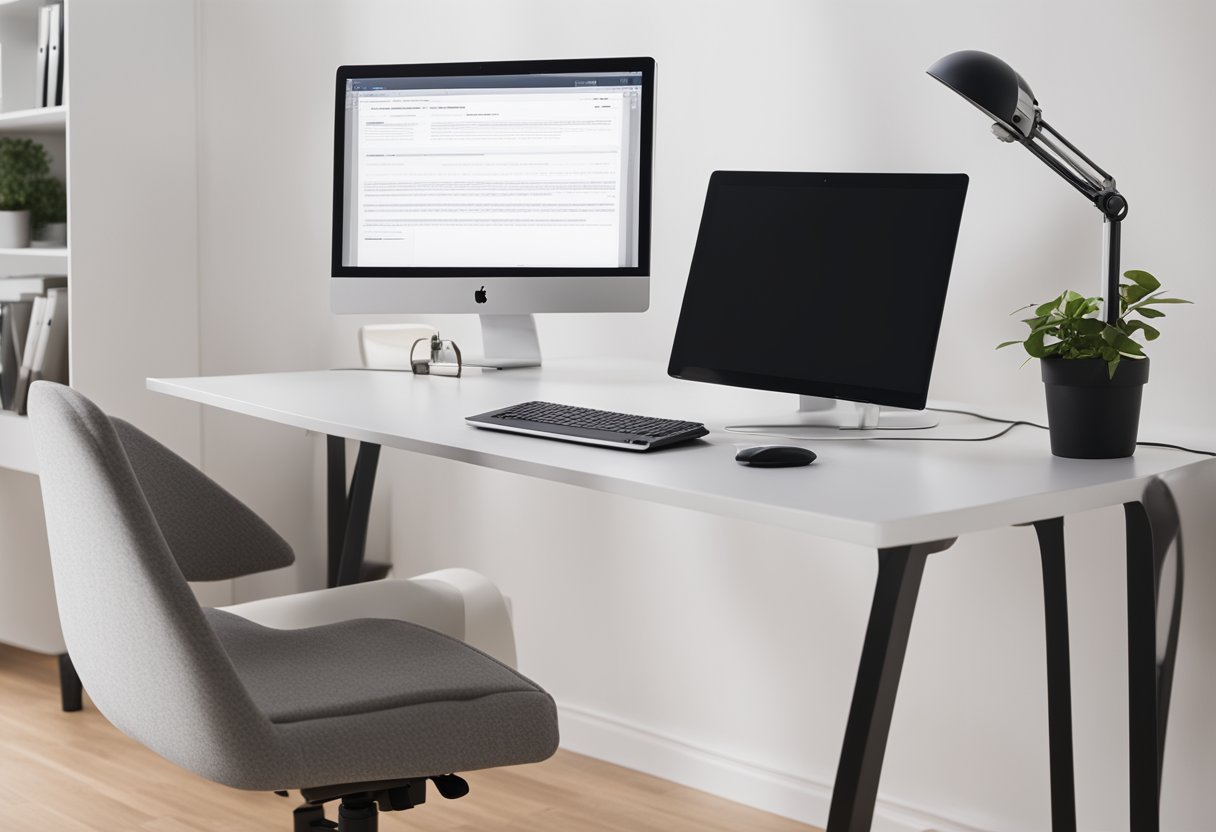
(133, 263)
(48, 127)
(27, 603)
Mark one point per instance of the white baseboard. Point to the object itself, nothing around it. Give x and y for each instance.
(633, 746)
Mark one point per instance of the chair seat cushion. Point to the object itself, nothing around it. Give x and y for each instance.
(357, 666)
(379, 699)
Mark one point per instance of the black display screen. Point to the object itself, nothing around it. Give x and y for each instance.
(824, 284)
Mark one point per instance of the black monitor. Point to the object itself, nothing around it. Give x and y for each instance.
(822, 284)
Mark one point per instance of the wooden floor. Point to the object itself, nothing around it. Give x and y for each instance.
(74, 772)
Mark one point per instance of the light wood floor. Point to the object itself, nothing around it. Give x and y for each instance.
(74, 772)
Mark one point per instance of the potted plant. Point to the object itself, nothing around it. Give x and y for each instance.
(22, 162)
(49, 212)
(1093, 371)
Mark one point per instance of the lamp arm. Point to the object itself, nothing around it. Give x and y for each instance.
(1077, 169)
(1068, 174)
(1082, 173)
(1106, 179)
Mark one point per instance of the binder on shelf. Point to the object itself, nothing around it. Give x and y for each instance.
(27, 354)
(51, 355)
(54, 56)
(14, 287)
(44, 42)
(14, 326)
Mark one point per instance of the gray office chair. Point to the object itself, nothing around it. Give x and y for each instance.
(364, 710)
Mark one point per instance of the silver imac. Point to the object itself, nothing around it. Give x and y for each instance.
(501, 188)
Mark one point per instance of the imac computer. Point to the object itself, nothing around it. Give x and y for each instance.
(828, 285)
(501, 188)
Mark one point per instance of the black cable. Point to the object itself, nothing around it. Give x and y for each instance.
(1177, 448)
(1012, 423)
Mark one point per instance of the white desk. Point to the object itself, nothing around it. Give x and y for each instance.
(906, 499)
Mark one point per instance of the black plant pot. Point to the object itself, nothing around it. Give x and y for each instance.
(1093, 416)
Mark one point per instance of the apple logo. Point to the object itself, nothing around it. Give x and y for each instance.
(480, 295)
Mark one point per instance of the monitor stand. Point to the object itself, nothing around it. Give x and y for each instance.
(509, 341)
(819, 418)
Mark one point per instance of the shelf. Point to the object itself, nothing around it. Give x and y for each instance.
(34, 252)
(37, 120)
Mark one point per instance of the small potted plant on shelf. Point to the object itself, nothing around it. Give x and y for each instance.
(1094, 372)
(49, 212)
(22, 163)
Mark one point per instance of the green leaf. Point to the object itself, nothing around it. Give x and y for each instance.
(1143, 279)
(1046, 308)
(1163, 300)
(1154, 299)
(1089, 326)
(1004, 344)
(1151, 313)
(1150, 333)
(1072, 309)
(1111, 366)
(1128, 346)
(1034, 345)
(1131, 294)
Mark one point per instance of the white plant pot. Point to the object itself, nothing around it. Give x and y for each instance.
(14, 229)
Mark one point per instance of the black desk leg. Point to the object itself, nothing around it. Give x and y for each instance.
(1142, 669)
(1059, 681)
(335, 498)
(348, 512)
(882, 657)
(70, 690)
(1152, 528)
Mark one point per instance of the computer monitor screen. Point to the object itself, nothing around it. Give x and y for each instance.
(502, 188)
(823, 284)
(492, 167)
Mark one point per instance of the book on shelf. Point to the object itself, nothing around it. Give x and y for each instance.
(19, 285)
(49, 74)
(25, 369)
(14, 326)
(51, 353)
(35, 347)
(44, 42)
(54, 57)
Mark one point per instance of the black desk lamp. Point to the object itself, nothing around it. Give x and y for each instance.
(991, 85)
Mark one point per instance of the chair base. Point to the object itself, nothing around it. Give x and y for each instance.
(363, 802)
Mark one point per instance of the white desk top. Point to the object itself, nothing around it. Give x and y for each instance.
(876, 494)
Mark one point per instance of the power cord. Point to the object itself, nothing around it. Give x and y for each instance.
(1009, 424)
(1013, 423)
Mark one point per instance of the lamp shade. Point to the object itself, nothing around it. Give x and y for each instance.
(991, 85)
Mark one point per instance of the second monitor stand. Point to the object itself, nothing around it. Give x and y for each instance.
(818, 418)
(509, 341)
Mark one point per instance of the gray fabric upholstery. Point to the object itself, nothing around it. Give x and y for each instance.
(425, 701)
(188, 506)
(242, 707)
(393, 664)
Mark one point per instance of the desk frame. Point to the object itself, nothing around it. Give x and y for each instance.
(1152, 527)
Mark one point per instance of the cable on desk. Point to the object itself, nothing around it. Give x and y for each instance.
(1012, 423)
(1009, 424)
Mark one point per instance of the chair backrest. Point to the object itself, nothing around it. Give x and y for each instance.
(136, 634)
(387, 346)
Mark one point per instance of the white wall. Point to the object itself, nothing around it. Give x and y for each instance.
(716, 652)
